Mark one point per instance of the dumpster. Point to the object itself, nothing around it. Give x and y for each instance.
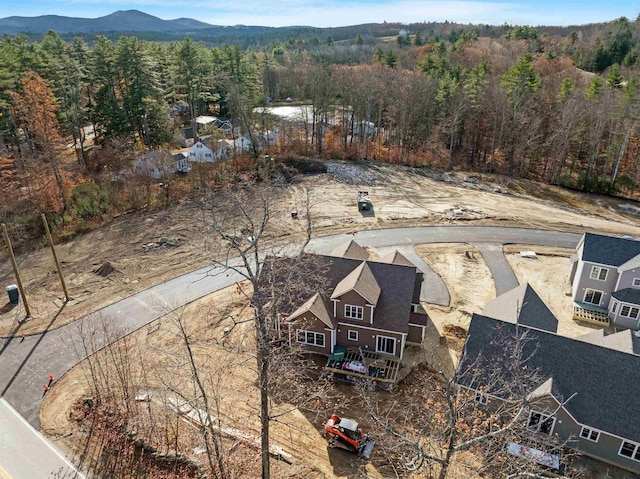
(14, 294)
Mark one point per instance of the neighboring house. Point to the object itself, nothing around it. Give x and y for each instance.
(160, 164)
(210, 150)
(243, 144)
(367, 317)
(585, 390)
(605, 277)
(223, 124)
(363, 128)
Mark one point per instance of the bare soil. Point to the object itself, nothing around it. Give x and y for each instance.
(144, 249)
(229, 369)
(549, 276)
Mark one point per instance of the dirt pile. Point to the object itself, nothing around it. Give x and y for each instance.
(350, 174)
(105, 269)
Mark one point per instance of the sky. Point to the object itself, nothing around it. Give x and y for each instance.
(331, 13)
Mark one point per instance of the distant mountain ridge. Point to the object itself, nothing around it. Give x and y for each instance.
(120, 21)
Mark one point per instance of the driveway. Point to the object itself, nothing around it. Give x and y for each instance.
(25, 364)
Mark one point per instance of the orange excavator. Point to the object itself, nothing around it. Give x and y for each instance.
(346, 434)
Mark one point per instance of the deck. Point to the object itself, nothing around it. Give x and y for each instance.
(590, 313)
(363, 364)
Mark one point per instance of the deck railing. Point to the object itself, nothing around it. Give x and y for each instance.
(590, 314)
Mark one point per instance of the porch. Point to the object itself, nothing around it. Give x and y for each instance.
(363, 364)
(590, 313)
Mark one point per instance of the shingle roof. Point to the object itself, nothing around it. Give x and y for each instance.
(395, 257)
(603, 384)
(396, 286)
(522, 305)
(628, 295)
(609, 250)
(318, 307)
(362, 281)
(624, 341)
(351, 250)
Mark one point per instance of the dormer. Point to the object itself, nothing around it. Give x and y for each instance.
(356, 296)
(351, 250)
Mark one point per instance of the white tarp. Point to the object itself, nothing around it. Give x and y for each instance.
(533, 455)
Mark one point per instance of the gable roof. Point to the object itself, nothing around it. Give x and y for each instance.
(522, 305)
(609, 250)
(627, 295)
(351, 250)
(396, 285)
(362, 281)
(317, 306)
(624, 341)
(600, 387)
(395, 257)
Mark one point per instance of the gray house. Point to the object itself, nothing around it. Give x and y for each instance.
(605, 277)
(585, 391)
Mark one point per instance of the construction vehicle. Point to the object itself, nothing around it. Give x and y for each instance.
(345, 433)
(364, 201)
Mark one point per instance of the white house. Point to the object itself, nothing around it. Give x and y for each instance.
(201, 153)
(243, 144)
(160, 164)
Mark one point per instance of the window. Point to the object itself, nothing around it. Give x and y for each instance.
(198, 145)
(541, 422)
(636, 282)
(614, 306)
(592, 296)
(589, 434)
(599, 273)
(629, 311)
(208, 155)
(353, 312)
(352, 335)
(630, 450)
(311, 337)
(386, 344)
(481, 398)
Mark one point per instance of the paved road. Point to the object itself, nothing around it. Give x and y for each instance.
(26, 364)
(24, 453)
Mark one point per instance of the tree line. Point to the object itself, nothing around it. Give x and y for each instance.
(525, 103)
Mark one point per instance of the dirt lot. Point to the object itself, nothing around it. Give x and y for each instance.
(470, 285)
(548, 275)
(228, 367)
(147, 248)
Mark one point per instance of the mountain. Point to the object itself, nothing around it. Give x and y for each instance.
(120, 21)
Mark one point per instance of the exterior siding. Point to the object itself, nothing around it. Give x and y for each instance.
(585, 282)
(354, 299)
(565, 428)
(626, 279)
(366, 338)
(415, 334)
(309, 322)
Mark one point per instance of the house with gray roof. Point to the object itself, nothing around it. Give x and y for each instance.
(370, 307)
(605, 277)
(585, 390)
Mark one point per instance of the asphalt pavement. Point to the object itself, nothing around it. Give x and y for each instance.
(25, 364)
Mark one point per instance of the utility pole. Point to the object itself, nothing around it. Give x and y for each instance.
(15, 269)
(55, 257)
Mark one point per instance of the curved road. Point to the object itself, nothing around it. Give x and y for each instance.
(25, 364)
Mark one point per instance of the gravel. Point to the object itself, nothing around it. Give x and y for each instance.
(350, 174)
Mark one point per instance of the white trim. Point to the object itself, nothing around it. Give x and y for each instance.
(633, 283)
(600, 270)
(577, 279)
(578, 423)
(630, 306)
(371, 306)
(372, 329)
(334, 301)
(349, 331)
(378, 336)
(481, 398)
(315, 338)
(635, 450)
(544, 417)
(403, 344)
(359, 309)
(584, 297)
(590, 431)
